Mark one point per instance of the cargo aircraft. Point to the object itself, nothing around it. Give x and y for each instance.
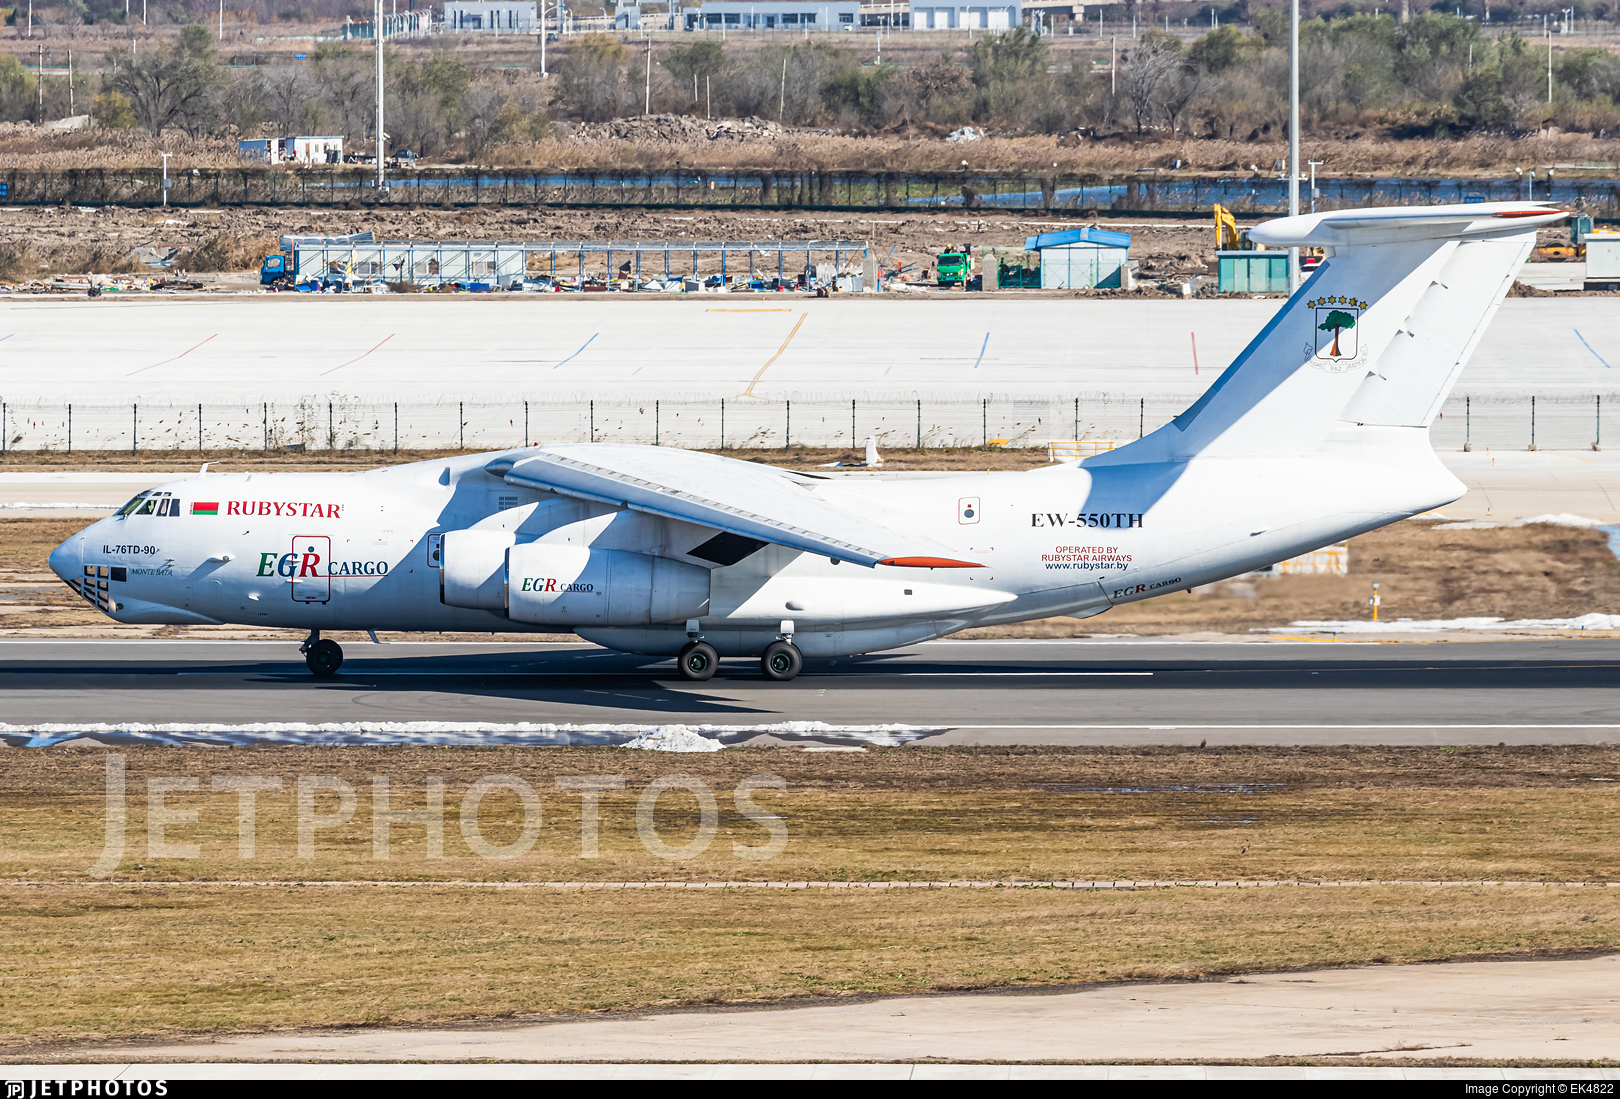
(1316, 432)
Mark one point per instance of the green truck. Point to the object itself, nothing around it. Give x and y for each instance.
(953, 268)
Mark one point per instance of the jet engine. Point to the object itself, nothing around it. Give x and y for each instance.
(472, 568)
(577, 586)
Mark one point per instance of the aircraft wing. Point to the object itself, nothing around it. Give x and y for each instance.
(743, 498)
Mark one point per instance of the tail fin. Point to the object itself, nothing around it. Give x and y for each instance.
(1376, 336)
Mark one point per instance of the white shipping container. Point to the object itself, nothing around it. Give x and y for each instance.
(1603, 256)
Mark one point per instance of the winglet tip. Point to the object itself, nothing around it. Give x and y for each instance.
(929, 563)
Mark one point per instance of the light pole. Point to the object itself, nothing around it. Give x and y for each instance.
(382, 138)
(1313, 164)
(1293, 136)
(165, 157)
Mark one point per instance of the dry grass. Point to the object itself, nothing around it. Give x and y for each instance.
(230, 252)
(116, 960)
(907, 814)
(108, 962)
(1360, 154)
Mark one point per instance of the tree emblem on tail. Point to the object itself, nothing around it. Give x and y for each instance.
(1336, 332)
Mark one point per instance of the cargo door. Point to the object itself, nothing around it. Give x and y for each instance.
(310, 560)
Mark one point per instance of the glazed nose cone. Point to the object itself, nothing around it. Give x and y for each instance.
(67, 560)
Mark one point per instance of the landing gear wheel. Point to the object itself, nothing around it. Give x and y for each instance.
(697, 660)
(324, 658)
(782, 660)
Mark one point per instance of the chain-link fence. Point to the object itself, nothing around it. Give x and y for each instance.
(807, 188)
(1549, 422)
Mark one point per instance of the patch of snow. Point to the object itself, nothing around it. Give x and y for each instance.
(1443, 625)
(1562, 519)
(674, 738)
(966, 133)
(26, 505)
(1467, 524)
(355, 733)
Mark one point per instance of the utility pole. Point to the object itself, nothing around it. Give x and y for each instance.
(1113, 60)
(1549, 62)
(222, 20)
(165, 157)
(781, 103)
(382, 138)
(646, 104)
(70, 81)
(1293, 135)
(39, 76)
(1313, 164)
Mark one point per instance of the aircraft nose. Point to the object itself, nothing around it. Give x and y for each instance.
(66, 559)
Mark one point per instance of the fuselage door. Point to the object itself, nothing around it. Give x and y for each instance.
(311, 557)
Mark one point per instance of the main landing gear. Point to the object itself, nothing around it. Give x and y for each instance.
(697, 659)
(324, 657)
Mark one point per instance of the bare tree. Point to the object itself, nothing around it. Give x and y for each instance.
(1151, 63)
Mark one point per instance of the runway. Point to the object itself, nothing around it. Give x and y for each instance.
(705, 346)
(1081, 692)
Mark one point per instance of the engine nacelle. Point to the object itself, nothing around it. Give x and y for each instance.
(472, 568)
(577, 586)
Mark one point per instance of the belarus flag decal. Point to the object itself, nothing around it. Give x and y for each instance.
(205, 508)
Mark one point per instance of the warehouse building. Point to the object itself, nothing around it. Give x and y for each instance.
(1086, 258)
(793, 15)
(491, 15)
(959, 16)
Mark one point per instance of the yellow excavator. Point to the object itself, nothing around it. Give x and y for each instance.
(1228, 237)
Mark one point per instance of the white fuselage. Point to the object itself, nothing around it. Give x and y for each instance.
(359, 551)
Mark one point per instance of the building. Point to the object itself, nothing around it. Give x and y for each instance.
(491, 15)
(928, 15)
(792, 15)
(304, 150)
(314, 150)
(1082, 258)
(268, 150)
(632, 17)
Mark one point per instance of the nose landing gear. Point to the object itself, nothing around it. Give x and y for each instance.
(324, 657)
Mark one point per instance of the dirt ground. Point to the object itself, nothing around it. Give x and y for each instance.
(196, 955)
(102, 239)
(1424, 570)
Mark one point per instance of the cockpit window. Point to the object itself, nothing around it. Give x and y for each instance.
(130, 507)
(148, 507)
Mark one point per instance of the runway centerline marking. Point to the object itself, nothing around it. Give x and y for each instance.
(357, 358)
(182, 355)
(580, 352)
(749, 392)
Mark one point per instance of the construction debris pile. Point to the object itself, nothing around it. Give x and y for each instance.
(672, 129)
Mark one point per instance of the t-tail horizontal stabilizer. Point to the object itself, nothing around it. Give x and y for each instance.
(1376, 336)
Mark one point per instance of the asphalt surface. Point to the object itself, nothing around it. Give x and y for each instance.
(961, 692)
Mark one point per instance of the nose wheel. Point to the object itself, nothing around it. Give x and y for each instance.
(782, 661)
(323, 656)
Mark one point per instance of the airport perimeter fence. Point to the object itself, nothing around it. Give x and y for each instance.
(1501, 421)
(810, 189)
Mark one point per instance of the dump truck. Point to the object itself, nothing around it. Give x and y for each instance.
(953, 268)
